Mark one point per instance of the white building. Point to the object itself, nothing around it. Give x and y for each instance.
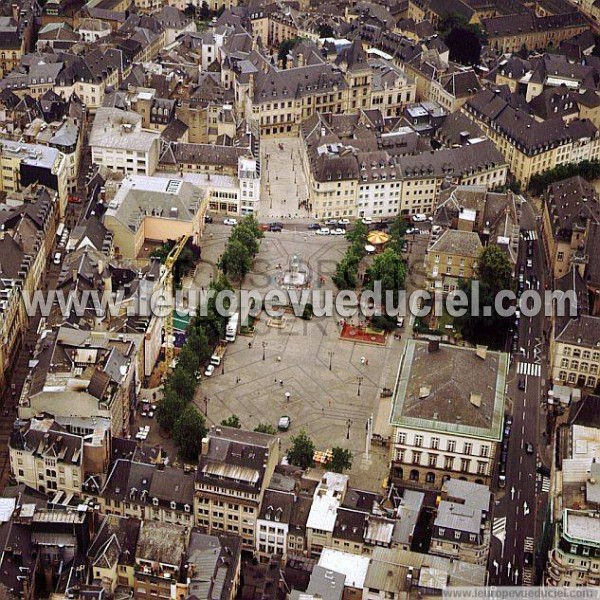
(119, 143)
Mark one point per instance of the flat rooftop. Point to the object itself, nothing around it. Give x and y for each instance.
(451, 389)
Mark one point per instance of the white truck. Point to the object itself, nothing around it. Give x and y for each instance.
(231, 329)
(218, 354)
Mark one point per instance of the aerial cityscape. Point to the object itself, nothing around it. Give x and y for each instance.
(299, 300)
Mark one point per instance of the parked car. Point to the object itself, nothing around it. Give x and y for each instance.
(284, 423)
(275, 226)
(230, 222)
(74, 199)
(338, 231)
(528, 559)
(210, 369)
(208, 219)
(529, 448)
(502, 476)
(331, 222)
(419, 218)
(323, 231)
(313, 226)
(529, 263)
(57, 257)
(508, 420)
(522, 385)
(367, 220)
(344, 222)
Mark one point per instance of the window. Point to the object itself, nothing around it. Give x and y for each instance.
(432, 460)
(465, 464)
(418, 441)
(468, 448)
(416, 457)
(485, 451)
(451, 446)
(401, 437)
(457, 535)
(442, 532)
(448, 463)
(435, 443)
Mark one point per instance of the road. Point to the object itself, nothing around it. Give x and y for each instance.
(524, 498)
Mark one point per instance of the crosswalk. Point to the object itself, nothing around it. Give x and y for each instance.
(526, 368)
(546, 484)
(530, 235)
(528, 545)
(499, 528)
(527, 576)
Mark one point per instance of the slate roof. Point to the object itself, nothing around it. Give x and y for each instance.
(458, 243)
(583, 331)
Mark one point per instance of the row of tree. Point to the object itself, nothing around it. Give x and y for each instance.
(588, 169)
(242, 247)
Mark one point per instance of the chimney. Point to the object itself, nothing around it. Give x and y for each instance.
(433, 346)
(205, 444)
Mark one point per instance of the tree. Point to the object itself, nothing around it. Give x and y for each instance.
(325, 30)
(493, 274)
(397, 230)
(464, 46)
(232, 421)
(198, 343)
(358, 233)
(214, 323)
(236, 260)
(302, 452)
(388, 267)
(188, 360)
(308, 312)
(250, 223)
(244, 234)
(341, 460)
(168, 410)
(182, 383)
(204, 13)
(266, 428)
(188, 431)
(284, 49)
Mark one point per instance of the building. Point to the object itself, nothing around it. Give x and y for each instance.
(528, 145)
(233, 473)
(25, 164)
(272, 525)
(395, 574)
(151, 492)
(461, 529)
(576, 353)
(48, 457)
(386, 173)
(111, 556)
(118, 142)
(573, 556)
(159, 558)
(327, 498)
(12, 46)
(448, 413)
(154, 208)
(509, 34)
(571, 208)
(452, 258)
(78, 373)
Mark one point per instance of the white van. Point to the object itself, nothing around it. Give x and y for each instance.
(56, 259)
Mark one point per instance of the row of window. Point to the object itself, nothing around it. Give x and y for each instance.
(433, 460)
(434, 443)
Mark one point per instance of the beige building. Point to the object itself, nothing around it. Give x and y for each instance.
(576, 353)
(156, 209)
(571, 208)
(530, 146)
(452, 258)
(47, 457)
(438, 434)
(234, 470)
(461, 529)
(84, 374)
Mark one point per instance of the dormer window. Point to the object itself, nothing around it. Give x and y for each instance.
(186, 508)
(155, 501)
(173, 505)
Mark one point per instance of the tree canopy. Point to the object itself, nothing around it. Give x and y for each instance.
(341, 460)
(188, 431)
(388, 267)
(232, 421)
(266, 428)
(302, 452)
(494, 274)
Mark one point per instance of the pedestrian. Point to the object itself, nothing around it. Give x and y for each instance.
(281, 382)
(249, 345)
(362, 360)
(366, 362)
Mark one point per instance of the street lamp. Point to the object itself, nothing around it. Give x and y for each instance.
(348, 425)
(223, 365)
(264, 347)
(359, 382)
(206, 400)
(330, 353)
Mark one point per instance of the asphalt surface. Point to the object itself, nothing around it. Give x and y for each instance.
(523, 500)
